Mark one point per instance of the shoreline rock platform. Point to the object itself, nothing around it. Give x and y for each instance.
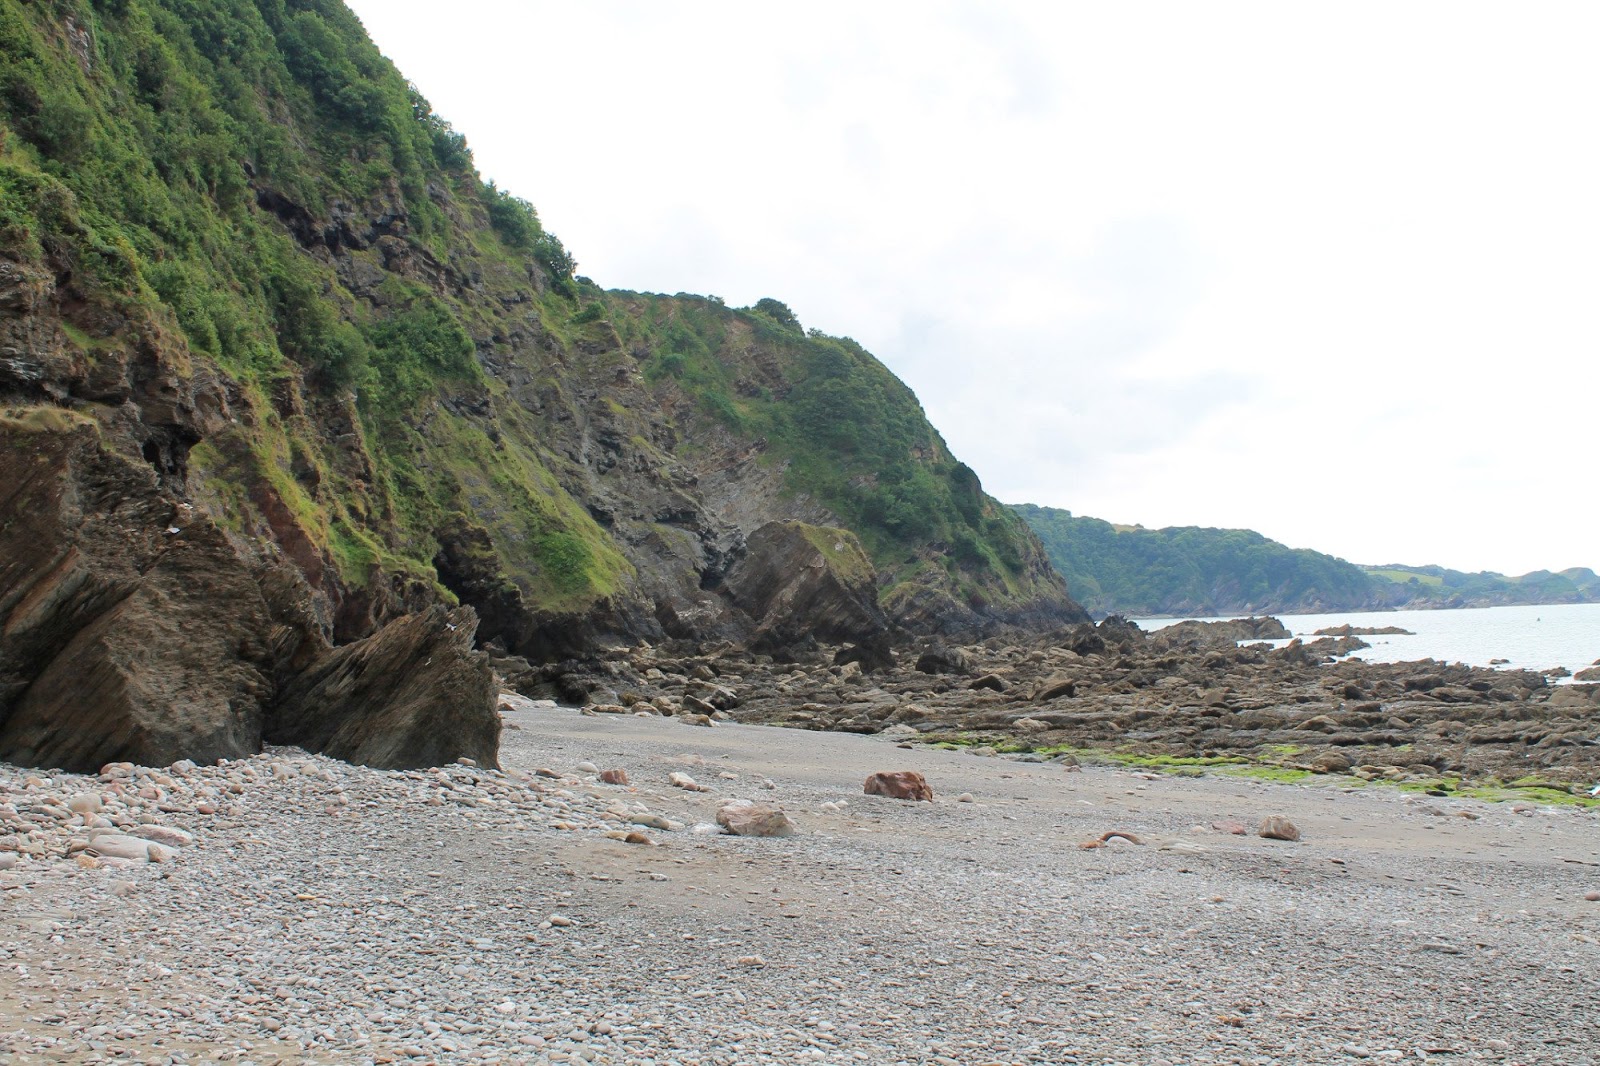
(328, 913)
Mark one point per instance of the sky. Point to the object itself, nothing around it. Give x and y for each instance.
(1329, 272)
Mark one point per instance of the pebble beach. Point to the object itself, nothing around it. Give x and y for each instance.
(291, 908)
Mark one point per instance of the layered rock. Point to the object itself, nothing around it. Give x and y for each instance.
(129, 628)
(134, 629)
(413, 694)
(802, 583)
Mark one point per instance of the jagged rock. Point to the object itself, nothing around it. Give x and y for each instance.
(413, 694)
(899, 784)
(802, 582)
(1055, 687)
(873, 654)
(942, 660)
(130, 629)
(992, 682)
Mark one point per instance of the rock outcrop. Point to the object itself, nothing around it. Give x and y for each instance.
(129, 628)
(413, 694)
(134, 629)
(804, 583)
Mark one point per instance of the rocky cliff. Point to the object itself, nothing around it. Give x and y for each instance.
(252, 289)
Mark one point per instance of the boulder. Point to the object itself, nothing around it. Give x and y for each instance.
(898, 784)
(942, 660)
(1331, 762)
(991, 682)
(1575, 697)
(800, 582)
(122, 846)
(873, 654)
(1277, 827)
(745, 819)
(413, 694)
(1054, 687)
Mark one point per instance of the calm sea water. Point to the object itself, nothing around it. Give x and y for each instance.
(1533, 638)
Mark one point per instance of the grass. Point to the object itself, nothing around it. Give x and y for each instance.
(1260, 766)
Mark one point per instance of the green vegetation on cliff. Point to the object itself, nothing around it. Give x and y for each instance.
(1188, 570)
(248, 247)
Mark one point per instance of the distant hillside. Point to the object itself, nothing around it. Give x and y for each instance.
(1188, 570)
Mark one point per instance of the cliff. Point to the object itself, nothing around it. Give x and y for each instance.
(245, 254)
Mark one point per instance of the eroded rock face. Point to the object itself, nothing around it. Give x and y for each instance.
(132, 629)
(803, 583)
(129, 628)
(413, 694)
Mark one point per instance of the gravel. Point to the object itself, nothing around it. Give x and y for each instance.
(331, 913)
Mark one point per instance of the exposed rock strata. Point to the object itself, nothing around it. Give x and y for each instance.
(413, 694)
(133, 628)
(805, 583)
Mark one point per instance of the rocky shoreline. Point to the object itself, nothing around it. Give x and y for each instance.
(1188, 696)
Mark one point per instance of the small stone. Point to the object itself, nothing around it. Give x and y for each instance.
(1236, 828)
(8, 860)
(654, 821)
(754, 961)
(560, 921)
(614, 777)
(588, 768)
(966, 797)
(685, 782)
(85, 803)
(636, 838)
(1592, 897)
(1277, 827)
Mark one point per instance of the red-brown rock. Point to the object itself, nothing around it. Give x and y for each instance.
(614, 777)
(900, 785)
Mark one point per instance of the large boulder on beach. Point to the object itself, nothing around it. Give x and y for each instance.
(899, 784)
(413, 694)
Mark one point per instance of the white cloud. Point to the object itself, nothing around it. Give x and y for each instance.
(1326, 272)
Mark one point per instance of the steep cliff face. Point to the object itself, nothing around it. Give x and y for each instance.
(234, 240)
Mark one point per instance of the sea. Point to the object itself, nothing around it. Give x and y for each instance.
(1529, 638)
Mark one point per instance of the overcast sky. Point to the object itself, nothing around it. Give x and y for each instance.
(1330, 272)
